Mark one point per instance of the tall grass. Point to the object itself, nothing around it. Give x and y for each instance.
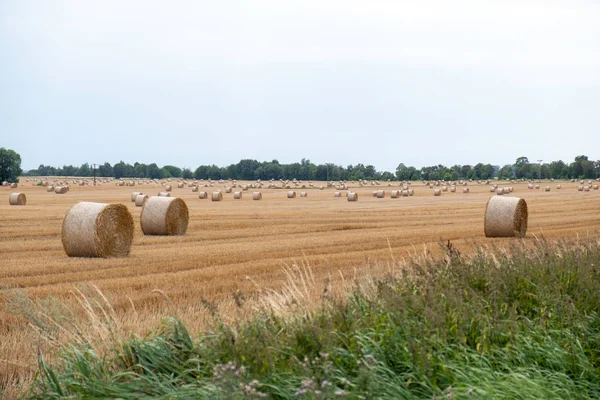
(517, 323)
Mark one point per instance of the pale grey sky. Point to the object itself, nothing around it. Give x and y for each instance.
(373, 82)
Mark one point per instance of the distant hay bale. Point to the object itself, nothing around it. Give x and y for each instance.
(134, 195)
(444, 188)
(194, 188)
(492, 189)
(411, 192)
(381, 194)
(352, 196)
(374, 193)
(437, 192)
(547, 188)
(505, 217)
(537, 186)
(595, 187)
(337, 194)
(452, 189)
(465, 189)
(586, 188)
(394, 194)
(180, 185)
(168, 188)
(237, 195)
(291, 194)
(321, 187)
(164, 194)
(50, 188)
(558, 186)
(203, 195)
(529, 186)
(303, 194)
(13, 185)
(97, 230)
(140, 200)
(61, 189)
(580, 188)
(257, 196)
(164, 216)
(499, 192)
(17, 199)
(216, 196)
(228, 190)
(5, 183)
(405, 193)
(506, 190)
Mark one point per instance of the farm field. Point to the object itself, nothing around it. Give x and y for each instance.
(238, 246)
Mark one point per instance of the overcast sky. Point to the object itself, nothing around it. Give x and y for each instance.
(353, 81)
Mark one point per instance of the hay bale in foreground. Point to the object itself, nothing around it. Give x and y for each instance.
(505, 217)
(257, 196)
(164, 216)
(97, 230)
(140, 200)
(352, 196)
(17, 199)
(134, 195)
(217, 196)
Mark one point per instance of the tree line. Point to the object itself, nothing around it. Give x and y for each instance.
(581, 168)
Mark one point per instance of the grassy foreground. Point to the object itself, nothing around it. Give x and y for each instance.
(518, 323)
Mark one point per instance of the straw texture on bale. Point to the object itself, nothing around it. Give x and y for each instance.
(337, 194)
(558, 186)
(194, 188)
(437, 192)
(352, 196)
(452, 189)
(256, 196)
(140, 200)
(291, 194)
(97, 230)
(61, 189)
(134, 195)
(203, 195)
(217, 196)
(547, 189)
(164, 194)
(237, 195)
(580, 188)
(303, 194)
(13, 185)
(49, 188)
(168, 188)
(499, 191)
(380, 194)
(586, 188)
(395, 194)
(17, 199)
(228, 190)
(164, 216)
(595, 187)
(505, 217)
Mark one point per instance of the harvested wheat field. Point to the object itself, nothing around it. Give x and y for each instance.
(239, 246)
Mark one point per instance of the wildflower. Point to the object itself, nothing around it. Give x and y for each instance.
(341, 393)
(325, 383)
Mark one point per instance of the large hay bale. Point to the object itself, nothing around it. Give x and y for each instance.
(405, 193)
(97, 230)
(164, 194)
(256, 196)
(586, 188)
(505, 217)
(237, 195)
(228, 190)
(217, 196)
(352, 196)
(140, 200)
(134, 195)
(291, 194)
(17, 199)
(164, 216)
(180, 185)
(203, 195)
(61, 189)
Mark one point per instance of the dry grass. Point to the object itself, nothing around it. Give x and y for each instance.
(232, 248)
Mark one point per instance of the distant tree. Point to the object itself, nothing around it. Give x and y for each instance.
(170, 171)
(105, 170)
(187, 173)
(84, 170)
(119, 170)
(10, 165)
(153, 172)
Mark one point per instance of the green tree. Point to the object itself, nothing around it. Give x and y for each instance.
(10, 165)
(187, 173)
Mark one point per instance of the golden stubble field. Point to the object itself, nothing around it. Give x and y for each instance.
(238, 246)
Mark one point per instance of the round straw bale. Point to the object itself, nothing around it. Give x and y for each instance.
(580, 188)
(352, 196)
(134, 195)
(537, 186)
(380, 194)
(97, 230)
(492, 189)
(303, 194)
(5, 183)
(529, 186)
(164, 194)
(466, 190)
(411, 192)
(17, 199)
(452, 189)
(217, 196)
(256, 196)
(558, 186)
(180, 185)
(140, 200)
(61, 189)
(547, 188)
(164, 216)
(50, 188)
(499, 191)
(203, 195)
(506, 190)
(168, 188)
(228, 190)
(394, 194)
(405, 193)
(13, 185)
(337, 194)
(237, 195)
(595, 187)
(437, 192)
(194, 188)
(505, 217)
(586, 188)
(291, 194)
